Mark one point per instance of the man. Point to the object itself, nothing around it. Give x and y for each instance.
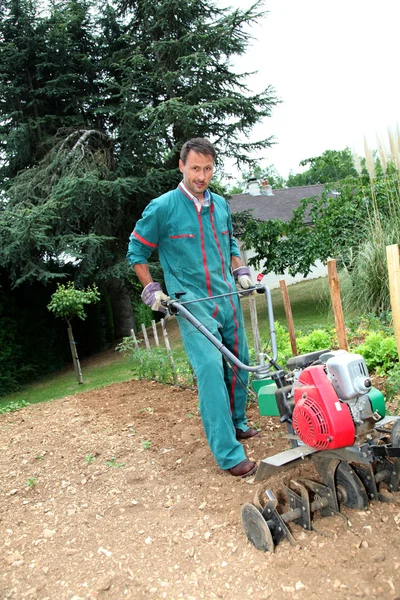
(192, 230)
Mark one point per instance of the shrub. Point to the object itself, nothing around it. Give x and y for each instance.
(379, 352)
(282, 341)
(319, 339)
(392, 385)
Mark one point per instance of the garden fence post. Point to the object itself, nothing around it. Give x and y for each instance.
(289, 316)
(137, 348)
(393, 260)
(337, 304)
(134, 339)
(168, 348)
(146, 339)
(154, 326)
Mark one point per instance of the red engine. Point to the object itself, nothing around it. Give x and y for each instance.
(320, 419)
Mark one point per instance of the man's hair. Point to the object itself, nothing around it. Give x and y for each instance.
(199, 145)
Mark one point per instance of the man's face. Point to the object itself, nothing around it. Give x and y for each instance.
(197, 172)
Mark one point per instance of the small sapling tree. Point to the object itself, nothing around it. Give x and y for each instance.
(68, 302)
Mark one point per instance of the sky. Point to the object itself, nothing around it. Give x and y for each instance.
(334, 65)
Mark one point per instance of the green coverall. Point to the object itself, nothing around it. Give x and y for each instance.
(195, 250)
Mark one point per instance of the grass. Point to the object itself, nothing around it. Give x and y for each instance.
(309, 303)
(64, 384)
(307, 308)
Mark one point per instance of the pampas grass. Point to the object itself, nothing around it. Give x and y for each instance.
(383, 154)
(370, 162)
(394, 149)
(365, 281)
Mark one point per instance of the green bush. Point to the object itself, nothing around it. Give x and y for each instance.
(282, 341)
(319, 339)
(69, 302)
(392, 385)
(379, 352)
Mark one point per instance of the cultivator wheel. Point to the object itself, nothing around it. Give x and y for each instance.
(265, 528)
(349, 487)
(256, 528)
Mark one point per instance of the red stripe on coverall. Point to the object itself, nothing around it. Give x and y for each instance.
(235, 332)
(141, 239)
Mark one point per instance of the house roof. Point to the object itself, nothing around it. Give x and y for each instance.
(279, 206)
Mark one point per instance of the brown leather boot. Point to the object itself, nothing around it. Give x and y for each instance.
(244, 468)
(245, 435)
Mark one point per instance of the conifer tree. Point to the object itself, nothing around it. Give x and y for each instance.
(20, 126)
(108, 103)
(48, 73)
(179, 82)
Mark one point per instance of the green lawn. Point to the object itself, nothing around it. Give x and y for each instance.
(309, 302)
(307, 309)
(65, 383)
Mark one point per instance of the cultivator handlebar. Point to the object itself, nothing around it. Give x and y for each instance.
(178, 307)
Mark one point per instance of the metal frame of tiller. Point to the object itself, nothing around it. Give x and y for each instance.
(177, 307)
(350, 476)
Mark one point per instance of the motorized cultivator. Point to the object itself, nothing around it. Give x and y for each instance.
(334, 418)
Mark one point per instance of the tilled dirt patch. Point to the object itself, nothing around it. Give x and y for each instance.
(114, 494)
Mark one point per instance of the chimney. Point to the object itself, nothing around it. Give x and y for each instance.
(254, 188)
(266, 189)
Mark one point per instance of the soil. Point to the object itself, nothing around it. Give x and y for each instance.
(114, 494)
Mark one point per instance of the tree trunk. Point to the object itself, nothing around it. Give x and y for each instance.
(122, 308)
(74, 353)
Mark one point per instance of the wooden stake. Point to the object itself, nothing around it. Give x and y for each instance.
(337, 304)
(393, 260)
(154, 326)
(145, 337)
(289, 316)
(134, 339)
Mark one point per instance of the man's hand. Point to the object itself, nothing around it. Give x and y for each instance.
(152, 295)
(242, 274)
